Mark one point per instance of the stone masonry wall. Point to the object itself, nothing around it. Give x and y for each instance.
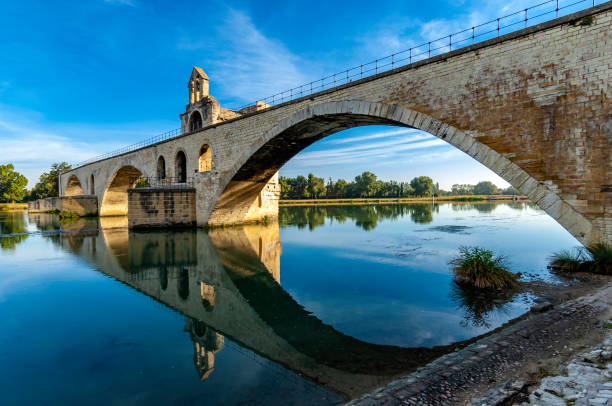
(84, 205)
(161, 207)
(533, 106)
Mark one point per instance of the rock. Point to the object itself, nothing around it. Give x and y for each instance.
(541, 398)
(541, 307)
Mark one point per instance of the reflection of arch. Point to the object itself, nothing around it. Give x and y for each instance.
(115, 200)
(92, 188)
(161, 167)
(181, 167)
(163, 278)
(208, 296)
(205, 162)
(73, 187)
(260, 162)
(182, 284)
(195, 121)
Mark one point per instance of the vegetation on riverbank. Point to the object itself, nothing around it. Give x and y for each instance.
(367, 185)
(596, 258)
(481, 268)
(375, 200)
(13, 206)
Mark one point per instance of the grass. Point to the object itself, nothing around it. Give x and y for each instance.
(596, 258)
(13, 206)
(481, 268)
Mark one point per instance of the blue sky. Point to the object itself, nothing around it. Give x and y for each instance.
(80, 78)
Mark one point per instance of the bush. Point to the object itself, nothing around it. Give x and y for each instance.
(596, 258)
(480, 268)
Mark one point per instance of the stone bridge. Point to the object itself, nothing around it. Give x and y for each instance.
(534, 106)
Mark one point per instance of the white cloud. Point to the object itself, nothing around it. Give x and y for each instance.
(247, 65)
(129, 3)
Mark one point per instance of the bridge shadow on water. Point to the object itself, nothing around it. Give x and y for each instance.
(227, 283)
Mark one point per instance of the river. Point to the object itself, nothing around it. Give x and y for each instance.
(323, 306)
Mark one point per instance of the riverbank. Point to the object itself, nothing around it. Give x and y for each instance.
(527, 350)
(397, 200)
(13, 206)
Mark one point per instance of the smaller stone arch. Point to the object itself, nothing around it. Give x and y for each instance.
(161, 167)
(205, 161)
(92, 185)
(181, 167)
(73, 187)
(115, 199)
(195, 121)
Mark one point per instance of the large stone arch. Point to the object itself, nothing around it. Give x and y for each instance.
(115, 197)
(73, 187)
(259, 162)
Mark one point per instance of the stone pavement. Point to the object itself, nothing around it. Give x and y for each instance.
(456, 376)
(586, 380)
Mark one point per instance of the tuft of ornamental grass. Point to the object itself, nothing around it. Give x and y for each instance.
(596, 258)
(481, 268)
(569, 260)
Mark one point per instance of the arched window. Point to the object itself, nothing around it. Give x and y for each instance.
(205, 163)
(161, 168)
(181, 167)
(92, 188)
(195, 121)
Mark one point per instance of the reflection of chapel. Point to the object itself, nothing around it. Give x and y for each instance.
(206, 343)
(203, 109)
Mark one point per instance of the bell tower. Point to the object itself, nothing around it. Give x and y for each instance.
(198, 85)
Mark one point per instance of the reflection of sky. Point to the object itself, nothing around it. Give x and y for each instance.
(391, 284)
(71, 335)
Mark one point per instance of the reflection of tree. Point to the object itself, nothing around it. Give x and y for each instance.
(13, 230)
(365, 216)
(421, 214)
(478, 304)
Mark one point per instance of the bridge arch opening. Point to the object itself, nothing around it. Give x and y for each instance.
(92, 185)
(115, 199)
(260, 163)
(181, 167)
(205, 161)
(73, 187)
(161, 167)
(195, 121)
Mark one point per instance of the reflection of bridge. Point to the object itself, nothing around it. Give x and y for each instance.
(533, 106)
(226, 283)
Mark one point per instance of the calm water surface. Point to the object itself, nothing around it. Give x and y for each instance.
(322, 307)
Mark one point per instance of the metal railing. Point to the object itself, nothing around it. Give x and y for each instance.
(160, 183)
(506, 24)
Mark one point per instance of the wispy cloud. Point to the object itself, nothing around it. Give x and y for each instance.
(248, 65)
(129, 3)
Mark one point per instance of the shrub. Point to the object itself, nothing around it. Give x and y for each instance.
(480, 268)
(596, 258)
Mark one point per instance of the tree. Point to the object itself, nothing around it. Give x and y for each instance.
(47, 183)
(366, 184)
(485, 188)
(422, 186)
(316, 186)
(462, 190)
(301, 188)
(12, 184)
(286, 187)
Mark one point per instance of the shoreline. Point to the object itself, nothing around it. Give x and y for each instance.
(401, 200)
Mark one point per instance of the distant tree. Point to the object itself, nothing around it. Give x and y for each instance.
(366, 184)
(462, 190)
(316, 186)
(511, 191)
(286, 187)
(422, 185)
(301, 188)
(47, 183)
(12, 184)
(485, 188)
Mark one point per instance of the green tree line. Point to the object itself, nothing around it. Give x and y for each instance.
(368, 185)
(13, 184)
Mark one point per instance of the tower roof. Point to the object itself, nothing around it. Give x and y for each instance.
(199, 72)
